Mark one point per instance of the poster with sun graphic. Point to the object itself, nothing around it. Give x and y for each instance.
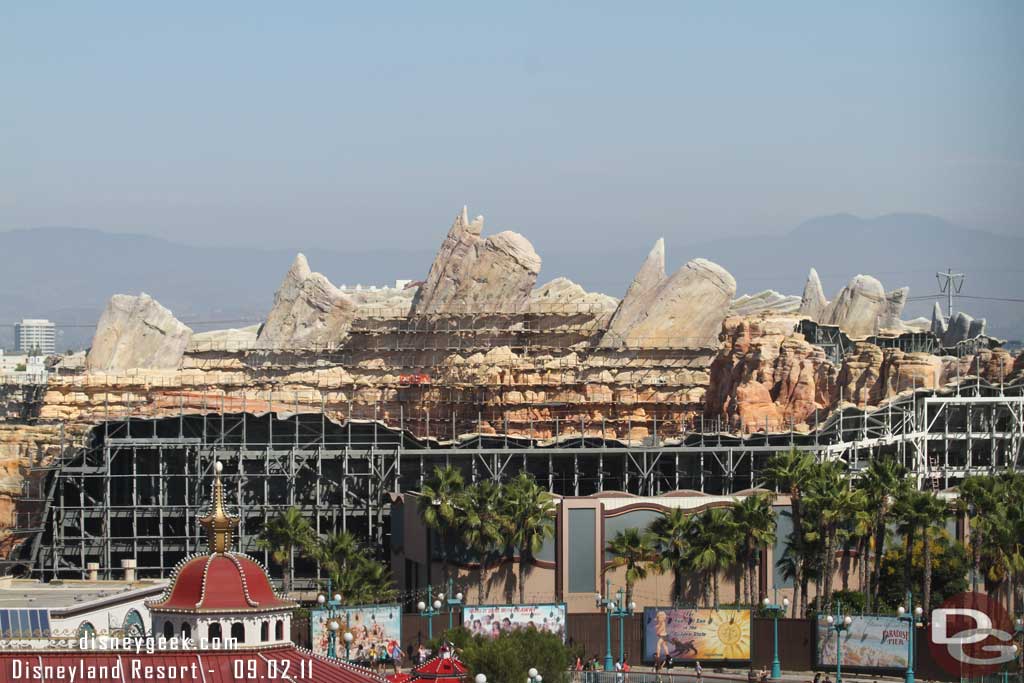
(692, 634)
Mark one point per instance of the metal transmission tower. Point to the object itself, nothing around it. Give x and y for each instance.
(950, 283)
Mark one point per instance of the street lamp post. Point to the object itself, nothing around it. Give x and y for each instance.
(429, 612)
(911, 615)
(453, 602)
(614, 609)
(775, 608)
(839, 623)
(333, 624)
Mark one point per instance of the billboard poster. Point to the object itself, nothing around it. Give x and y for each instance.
(491, 620)
(871, 642)
(372, 626)
(696, 634)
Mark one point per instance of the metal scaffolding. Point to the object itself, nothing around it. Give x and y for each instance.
(135, 487)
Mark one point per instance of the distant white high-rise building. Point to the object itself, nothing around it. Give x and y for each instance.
(35, 336)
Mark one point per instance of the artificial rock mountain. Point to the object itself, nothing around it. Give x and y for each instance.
(489, 351)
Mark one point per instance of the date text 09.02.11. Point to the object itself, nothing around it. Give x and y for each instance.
(272, 669)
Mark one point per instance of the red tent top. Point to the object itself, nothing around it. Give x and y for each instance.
(445, 668)
(285, 664)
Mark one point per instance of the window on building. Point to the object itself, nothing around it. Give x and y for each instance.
(264, 631)
(238, 631)
(86, 629)
(168, 630)
(186, 630)
(213, 632)
(279, 630)
(134, 626)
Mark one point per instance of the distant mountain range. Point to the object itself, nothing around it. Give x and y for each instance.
(67, 274)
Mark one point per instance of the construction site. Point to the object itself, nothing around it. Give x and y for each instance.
(336, 402)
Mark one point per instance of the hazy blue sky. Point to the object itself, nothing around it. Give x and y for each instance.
(369, 124)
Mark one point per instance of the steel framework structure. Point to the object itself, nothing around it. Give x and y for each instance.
(135, 487)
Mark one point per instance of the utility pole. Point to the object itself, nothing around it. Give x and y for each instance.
(950, 283)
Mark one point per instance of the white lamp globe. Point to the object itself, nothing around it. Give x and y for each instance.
(437, 604)
(480, 678)
(321, 599)
(848, 621)
(348, 637)
(785, 602)
(440, 596)
(918, 611)
(830, 619)
(337, 597)
(539, 678)
(218, 467)
(421, 605)
(532, 673)
(597, 596)
(900, 610)
(458, 596)
(632, 607)
(766, 602)
(334, 626)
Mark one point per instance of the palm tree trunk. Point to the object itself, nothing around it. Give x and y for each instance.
(714, 582)
(677, 587)
(827, 567)
(927, 541)
(522, 576)
(798, 586)
(483, 582)
(907, 565)
(876, 571)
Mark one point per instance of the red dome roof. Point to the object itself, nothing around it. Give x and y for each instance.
(220, 582)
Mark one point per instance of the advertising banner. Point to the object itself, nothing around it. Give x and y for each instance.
(490, 620)
(696, 634)
(376, 627)
(871, 642)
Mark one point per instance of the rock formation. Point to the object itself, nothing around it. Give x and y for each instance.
(471, 273)
(682, 311)
(858, 307)
(813, 301)
(767, 374)
(889, 319)
(938, 321)
(562, 295)
(137, 332)
(768, 302)
(308, 311)
(962, 327)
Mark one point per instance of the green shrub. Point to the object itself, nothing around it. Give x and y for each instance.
(508, 658)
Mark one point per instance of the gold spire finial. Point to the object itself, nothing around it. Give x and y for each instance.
(219, 525)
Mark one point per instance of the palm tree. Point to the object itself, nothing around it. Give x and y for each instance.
(529, 514)
(336, 550)
(834, 505)
(635, 551)
(882, 482)
(438, 502)
(920, 511)
(755, 520)
(281, 535)
(673, 534)
(481, 525)
(714, 547)
(978, 502)
(789, 473)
